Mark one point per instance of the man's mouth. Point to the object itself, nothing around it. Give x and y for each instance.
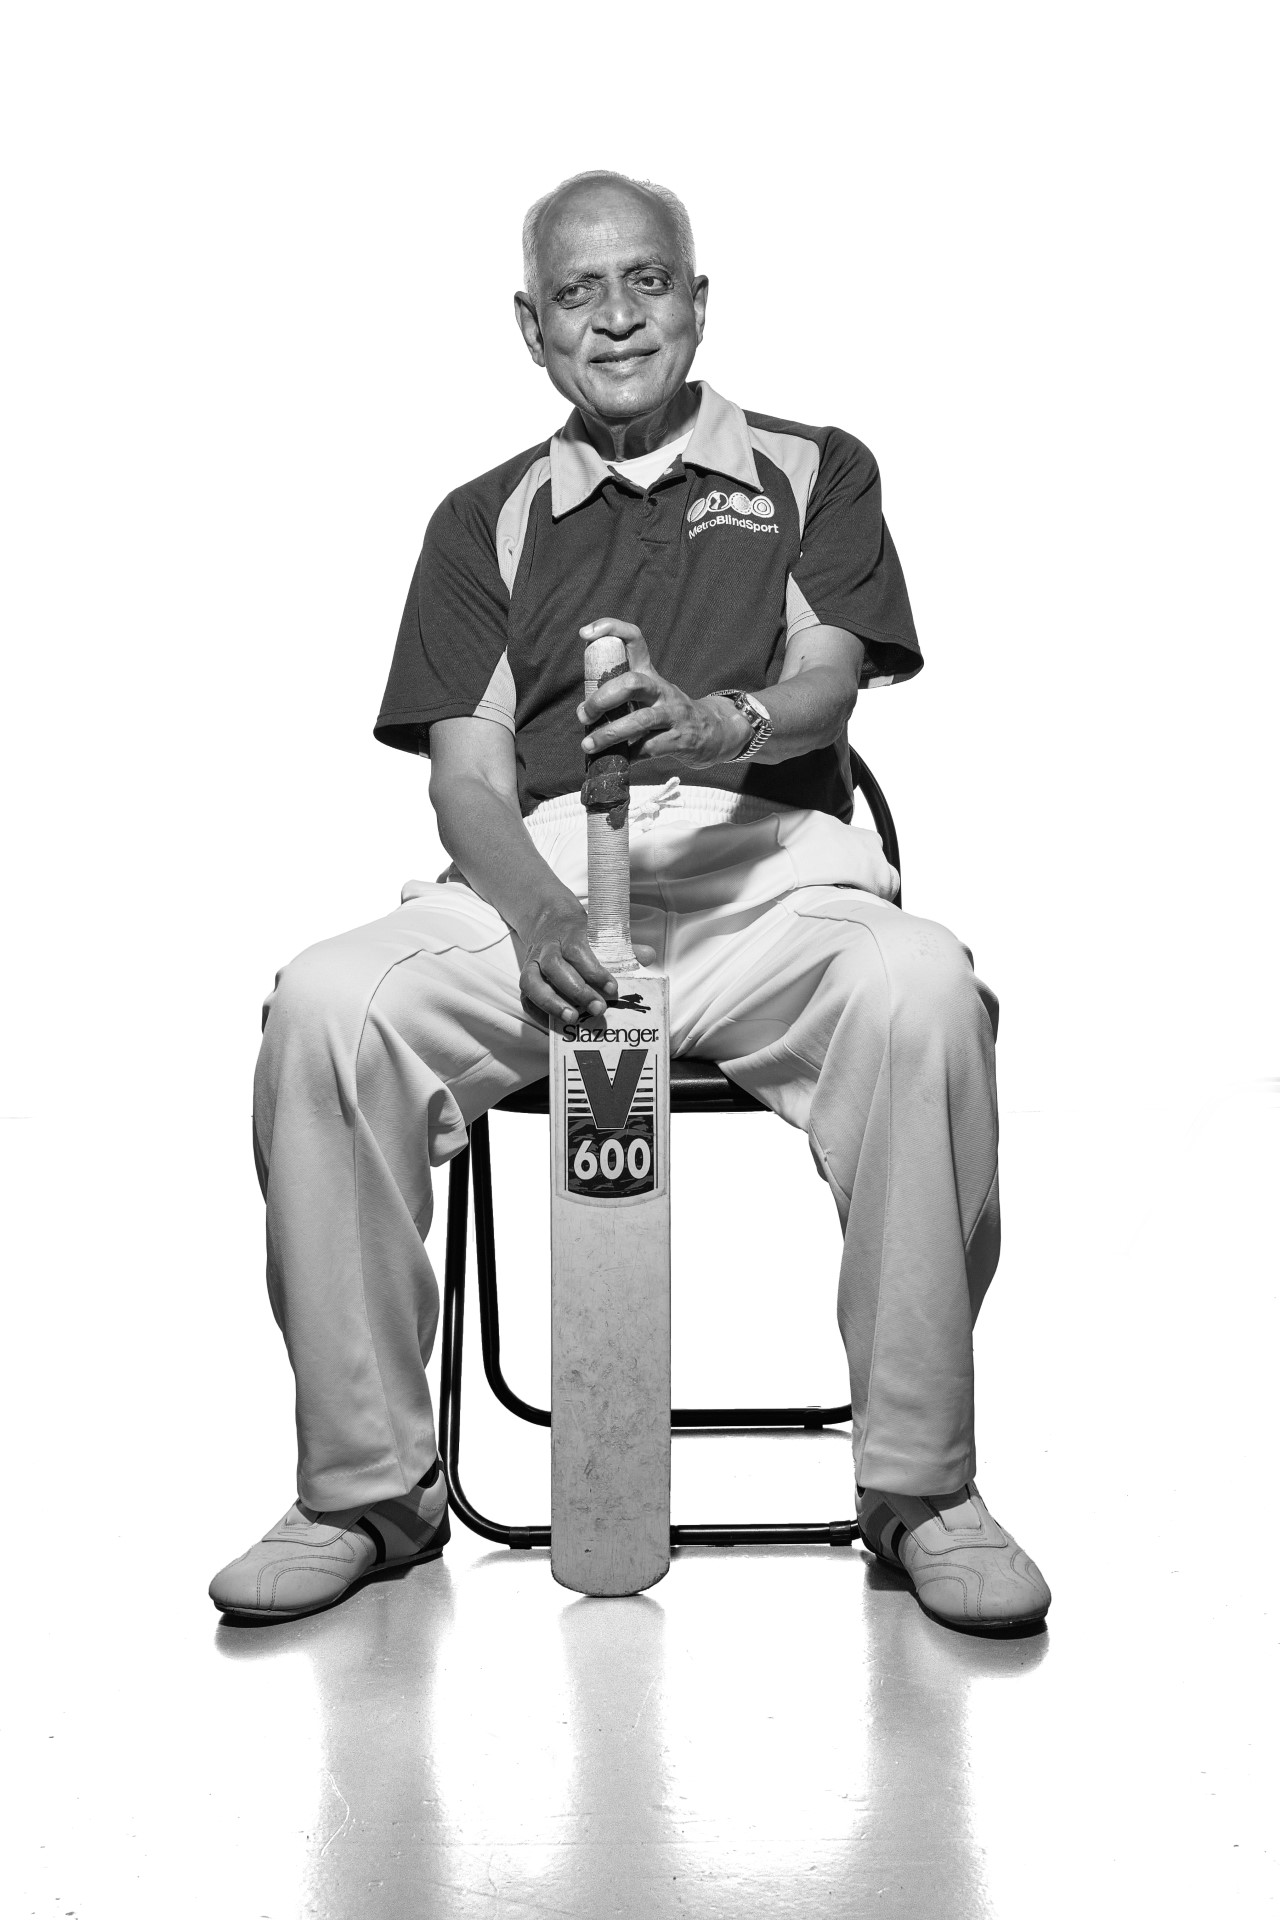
(623, 362)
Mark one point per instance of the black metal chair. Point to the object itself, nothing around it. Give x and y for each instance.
(697, 1086)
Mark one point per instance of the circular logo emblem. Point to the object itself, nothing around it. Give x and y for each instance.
(696, 511)
(762, 507)
(717, 501)
(740, 502)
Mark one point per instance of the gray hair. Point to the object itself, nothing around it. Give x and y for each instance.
(663, 195)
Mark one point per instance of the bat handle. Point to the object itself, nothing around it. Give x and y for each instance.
(606, 795)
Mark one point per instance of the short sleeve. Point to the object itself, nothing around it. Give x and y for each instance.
(848, 571)
(450, 659)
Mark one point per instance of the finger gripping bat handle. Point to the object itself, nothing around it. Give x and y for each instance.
(606, 795)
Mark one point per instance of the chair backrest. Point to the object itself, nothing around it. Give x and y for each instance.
(869, 787)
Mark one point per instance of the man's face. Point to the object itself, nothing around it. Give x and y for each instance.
(617, 321)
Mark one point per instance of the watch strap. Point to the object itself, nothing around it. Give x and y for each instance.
(751, 710)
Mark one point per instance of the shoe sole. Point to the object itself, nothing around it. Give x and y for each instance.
(1019, 1623)
(267, 1616)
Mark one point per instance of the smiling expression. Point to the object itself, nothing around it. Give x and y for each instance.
(618, 319)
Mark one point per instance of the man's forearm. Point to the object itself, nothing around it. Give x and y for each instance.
(482, 831)
(808, 711)
(654, 718)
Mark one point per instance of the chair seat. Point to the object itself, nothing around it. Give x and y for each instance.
(697, 1086)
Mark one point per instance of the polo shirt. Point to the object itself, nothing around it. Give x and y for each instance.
(760, 529)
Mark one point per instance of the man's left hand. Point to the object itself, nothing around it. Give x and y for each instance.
(666, 721)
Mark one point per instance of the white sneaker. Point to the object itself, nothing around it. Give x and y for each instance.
(310, 1560)
(966, 1570)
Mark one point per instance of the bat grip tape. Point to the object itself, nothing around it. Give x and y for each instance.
(606, 795)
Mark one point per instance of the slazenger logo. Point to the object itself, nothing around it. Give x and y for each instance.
(720, 509)
(631, 1036)
(599, 1030)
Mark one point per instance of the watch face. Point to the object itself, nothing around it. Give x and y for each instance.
(761, 724)
(753, 710)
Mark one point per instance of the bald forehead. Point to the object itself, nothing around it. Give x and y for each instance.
(583, 227)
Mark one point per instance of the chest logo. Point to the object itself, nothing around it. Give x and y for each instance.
(719, 509)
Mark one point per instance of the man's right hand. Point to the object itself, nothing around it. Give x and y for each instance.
(561, 976)
(473, 786)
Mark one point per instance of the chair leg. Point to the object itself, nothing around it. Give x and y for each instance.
(487, 1281)
(811, 1419)
(473, 1165)
(450, 1442)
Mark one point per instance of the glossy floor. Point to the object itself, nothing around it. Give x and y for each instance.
(766, 1732)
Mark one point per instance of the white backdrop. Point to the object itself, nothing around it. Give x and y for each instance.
(260, 322)
(260, 260)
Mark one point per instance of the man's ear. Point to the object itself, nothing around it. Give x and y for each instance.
(527, 321)
(701, 287)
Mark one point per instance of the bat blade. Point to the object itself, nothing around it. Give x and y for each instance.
(611, 1293)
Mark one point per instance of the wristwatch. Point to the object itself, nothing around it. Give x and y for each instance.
(752, 710)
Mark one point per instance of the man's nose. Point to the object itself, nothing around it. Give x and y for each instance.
(620, 313)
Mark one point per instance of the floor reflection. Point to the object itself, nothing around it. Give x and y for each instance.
(768, 1727)
(378, 1833)
(922, 1850)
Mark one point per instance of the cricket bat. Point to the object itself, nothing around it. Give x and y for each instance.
(611, 1231)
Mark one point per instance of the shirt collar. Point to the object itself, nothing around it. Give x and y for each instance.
(721, 443)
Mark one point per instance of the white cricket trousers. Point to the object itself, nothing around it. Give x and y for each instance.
(851, 1019)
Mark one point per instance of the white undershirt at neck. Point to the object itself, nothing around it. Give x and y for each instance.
(645, 468)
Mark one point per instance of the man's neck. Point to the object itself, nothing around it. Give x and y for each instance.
(627, 439)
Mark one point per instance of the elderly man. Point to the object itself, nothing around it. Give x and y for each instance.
(745, 563)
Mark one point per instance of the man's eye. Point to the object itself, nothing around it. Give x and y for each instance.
(652, 282)
(574, 295)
